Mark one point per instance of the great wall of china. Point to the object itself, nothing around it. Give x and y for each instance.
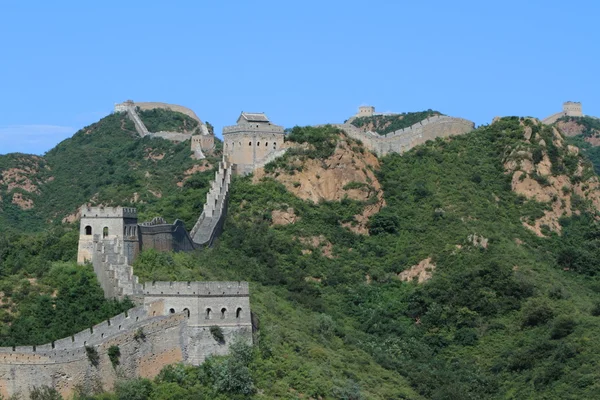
(405, 139)
(200, 143)
(172, 321)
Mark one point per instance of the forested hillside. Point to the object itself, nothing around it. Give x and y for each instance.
(105, 163)
(475, 276)
(583, 132)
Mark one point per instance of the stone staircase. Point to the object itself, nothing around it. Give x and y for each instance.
(137, 121)
(211, 220)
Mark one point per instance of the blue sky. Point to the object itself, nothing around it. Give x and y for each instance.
(64, 64)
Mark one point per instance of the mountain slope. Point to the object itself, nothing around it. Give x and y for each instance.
(502, 310)
(104, 163)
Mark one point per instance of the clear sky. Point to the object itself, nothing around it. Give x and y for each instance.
(64, 64)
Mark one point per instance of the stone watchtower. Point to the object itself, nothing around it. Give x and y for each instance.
(365, 111)
(251, 141)
(107, 223)
(572, 109)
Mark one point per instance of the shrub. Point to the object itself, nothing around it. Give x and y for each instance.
(114, 353)
(217, 334)
(563, 326)
(596, 309)
(136, 389)
(384, 223)
(92, 355)
(536, 312)
(44, 393)
(139, 335)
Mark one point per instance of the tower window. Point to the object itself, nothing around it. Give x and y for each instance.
(105, 232)
(223, 313)
(88, 230)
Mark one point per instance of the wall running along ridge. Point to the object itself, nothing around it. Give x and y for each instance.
(171, 323)
(200, 145)
(405, 139)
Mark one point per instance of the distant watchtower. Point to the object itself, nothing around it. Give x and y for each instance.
(365, 111)
(572, 109)
(106, 223)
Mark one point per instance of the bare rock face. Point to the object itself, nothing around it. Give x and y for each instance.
(284, 217)
(347, 173)
(536, 182)
(423, 271)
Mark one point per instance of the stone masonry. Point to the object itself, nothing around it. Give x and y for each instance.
(570, 108)
(405, 139)
(172, 322)
(252, 141)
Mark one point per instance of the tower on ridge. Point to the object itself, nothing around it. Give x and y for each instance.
(106, 223)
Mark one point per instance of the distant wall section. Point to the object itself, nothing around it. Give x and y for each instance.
(405, 139)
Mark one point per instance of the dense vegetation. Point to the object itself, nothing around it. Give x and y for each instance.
(105, 163)
(590, 129)
(161, 120)
(513, 319)
(384, 124)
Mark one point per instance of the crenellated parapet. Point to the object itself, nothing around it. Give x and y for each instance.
(405, 139)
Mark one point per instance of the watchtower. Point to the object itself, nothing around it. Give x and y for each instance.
(105, 223)
(251, 141)
(572, 109)
(365, 111)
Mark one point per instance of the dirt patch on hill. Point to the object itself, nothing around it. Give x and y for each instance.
(317, 242)
(536, 182)
(283, 217)
(570, 128)
(423, 271)
(22, 202)
(152, 155)
(20, 178)
(347, 173)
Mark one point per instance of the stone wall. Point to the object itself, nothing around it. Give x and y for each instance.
(66, 366)
(206, 143)
(246, 145)
(210, 223)
(407, 138)
(570, 108)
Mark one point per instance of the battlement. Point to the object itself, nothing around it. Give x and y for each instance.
(249, 128)
(572, 108)
(108, 212)
(199, 289)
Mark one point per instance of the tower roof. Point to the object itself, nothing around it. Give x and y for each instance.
(253, 117)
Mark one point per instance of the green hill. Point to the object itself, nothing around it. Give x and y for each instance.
(500, 225)
(584, 132)
(104, 163)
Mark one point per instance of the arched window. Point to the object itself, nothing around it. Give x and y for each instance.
(238, 313)
(266, 144)
(187, 312)
(223, 313)
(249, 143)
(172, 311)
(105, 232)
(258, 143)
(208, 311)
(88, 230)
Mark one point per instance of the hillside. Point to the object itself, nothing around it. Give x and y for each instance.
(583, 132)
(385, 123)
(466, 268)
(104, 163)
